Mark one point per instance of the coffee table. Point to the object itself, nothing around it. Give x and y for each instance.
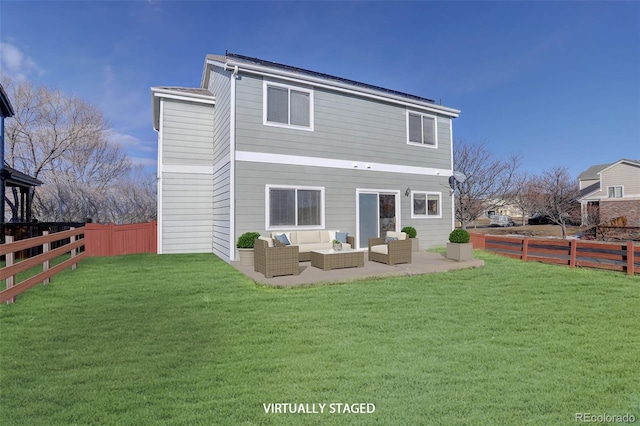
(331, 259)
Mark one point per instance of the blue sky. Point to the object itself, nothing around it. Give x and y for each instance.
(556, 82)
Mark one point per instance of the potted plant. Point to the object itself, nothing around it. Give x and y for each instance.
(245, 247)
(411, 233)
(337, 245)
(459, 248)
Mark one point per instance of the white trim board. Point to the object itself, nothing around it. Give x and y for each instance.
(298, 160)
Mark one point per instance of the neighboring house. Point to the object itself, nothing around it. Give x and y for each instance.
(266, 147)
(612, 190)
(11, 178)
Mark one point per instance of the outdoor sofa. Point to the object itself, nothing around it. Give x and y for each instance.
(311, 240)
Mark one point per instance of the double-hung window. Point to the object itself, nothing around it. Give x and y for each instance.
(421, 129)
(614, 191)
(426, 205)
(288, 106)
(294, 207)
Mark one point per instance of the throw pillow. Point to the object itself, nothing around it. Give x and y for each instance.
(342, 236)
(283, 239)
(387, 239)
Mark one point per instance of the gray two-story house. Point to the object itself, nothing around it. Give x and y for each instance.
(264, 147)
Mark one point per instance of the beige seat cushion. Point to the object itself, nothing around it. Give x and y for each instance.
(381, 249)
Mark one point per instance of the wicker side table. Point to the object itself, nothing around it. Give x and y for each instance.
(331, 259)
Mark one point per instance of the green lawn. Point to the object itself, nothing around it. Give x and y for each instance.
(185, 339)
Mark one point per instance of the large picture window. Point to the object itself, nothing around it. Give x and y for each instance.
(426, 205)
(287, 106)
(421, 129)
(294, 207)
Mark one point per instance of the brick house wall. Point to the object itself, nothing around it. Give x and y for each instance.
(610, 209)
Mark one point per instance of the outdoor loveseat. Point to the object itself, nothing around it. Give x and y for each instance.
(393, 249)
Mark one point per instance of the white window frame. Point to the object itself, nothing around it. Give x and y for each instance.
(435, 129)
(427, 215)
(614, 191)
(265, 86)
(267, 214)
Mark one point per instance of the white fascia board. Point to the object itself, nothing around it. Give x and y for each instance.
(183, 96)
(334, 85)
(297, 160)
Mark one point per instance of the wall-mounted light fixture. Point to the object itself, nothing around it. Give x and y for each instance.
(407, 192)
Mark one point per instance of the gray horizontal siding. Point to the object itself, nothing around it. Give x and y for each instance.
(346, 127)
(220, 86)
(221, 211)
(187, 210)
(187, 133)
(340, 196)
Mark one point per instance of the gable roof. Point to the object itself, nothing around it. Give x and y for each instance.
(593, 172)
(263, 67)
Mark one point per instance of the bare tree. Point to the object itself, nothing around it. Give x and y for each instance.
(63, 141)
(524, 194)
(488, 180)
(557, 197)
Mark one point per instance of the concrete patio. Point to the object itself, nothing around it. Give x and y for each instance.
(423, 263)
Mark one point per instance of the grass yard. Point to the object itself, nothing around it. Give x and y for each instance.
(187, 340)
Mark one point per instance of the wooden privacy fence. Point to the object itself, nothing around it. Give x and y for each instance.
(11, 269)
(113, 240)
(618, 256)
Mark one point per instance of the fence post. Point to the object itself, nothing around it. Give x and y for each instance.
(9, 259)
(73, 250)
(525, 249)
(45, 265)
(630, 258)
(573, 253)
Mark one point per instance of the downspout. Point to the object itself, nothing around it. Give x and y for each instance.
(232, 165)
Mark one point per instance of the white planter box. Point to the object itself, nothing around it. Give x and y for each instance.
(459, 252)
(246, 257)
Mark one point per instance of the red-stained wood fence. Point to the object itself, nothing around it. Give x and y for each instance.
(618, 256)
(8, 250)
(114, 240)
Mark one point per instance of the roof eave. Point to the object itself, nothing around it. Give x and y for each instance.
(230, 63)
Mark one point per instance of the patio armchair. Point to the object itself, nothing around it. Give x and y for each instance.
(393, 251)
(275, 261)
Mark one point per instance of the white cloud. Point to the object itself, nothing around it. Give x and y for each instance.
(15, 63)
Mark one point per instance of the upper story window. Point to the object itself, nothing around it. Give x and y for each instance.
(614, 191)
(426, 204)
(288, 106)
(421, 129)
